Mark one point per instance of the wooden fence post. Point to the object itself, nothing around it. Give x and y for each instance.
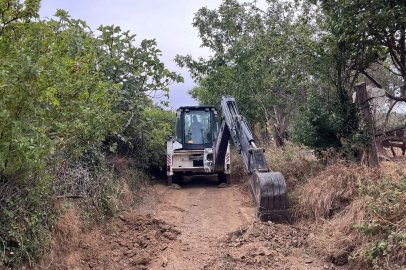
(363, 106)
(403, 90)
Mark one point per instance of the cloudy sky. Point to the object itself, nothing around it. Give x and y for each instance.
(168, 21)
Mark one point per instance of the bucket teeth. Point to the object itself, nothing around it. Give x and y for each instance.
(271, 196)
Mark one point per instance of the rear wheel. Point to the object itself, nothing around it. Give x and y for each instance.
(228, 179)
(169, 181)
(224, 178)
(178, 178)
(220, 178)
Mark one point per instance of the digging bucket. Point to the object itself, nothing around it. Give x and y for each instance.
(270, 196)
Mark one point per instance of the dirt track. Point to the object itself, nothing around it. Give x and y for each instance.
(203, 213)
(199, 226)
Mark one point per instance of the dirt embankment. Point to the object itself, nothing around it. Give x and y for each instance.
(199, 226)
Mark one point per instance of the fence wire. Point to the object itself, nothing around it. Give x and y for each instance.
(389, 115)
(389, 118)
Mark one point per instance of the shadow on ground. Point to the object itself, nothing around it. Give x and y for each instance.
(199, 181)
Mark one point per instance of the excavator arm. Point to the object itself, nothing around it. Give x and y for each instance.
(268, 188)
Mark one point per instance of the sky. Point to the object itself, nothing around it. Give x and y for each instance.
(168, 21)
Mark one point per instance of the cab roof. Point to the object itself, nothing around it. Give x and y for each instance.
(197, 107)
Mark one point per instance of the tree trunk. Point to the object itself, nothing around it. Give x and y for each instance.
(278, 138)
(403, 58)
(281, 119)
(363, 105)
(268, 129)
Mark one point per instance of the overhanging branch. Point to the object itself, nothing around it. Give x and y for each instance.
(395, 98)
(371, 79)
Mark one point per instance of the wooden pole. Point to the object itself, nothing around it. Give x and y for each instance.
(403, 90)
(363, 106)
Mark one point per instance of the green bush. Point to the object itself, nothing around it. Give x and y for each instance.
(63, 91)
(26, 218)
(384, 228)
(324, 124)
(159, 124)
(51, 99)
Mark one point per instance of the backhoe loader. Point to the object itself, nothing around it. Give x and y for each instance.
(201, 146)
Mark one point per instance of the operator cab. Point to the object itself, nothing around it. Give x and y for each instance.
(196, 127)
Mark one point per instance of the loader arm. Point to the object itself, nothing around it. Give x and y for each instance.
(268, 188)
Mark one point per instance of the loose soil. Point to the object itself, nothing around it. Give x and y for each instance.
(199, 226)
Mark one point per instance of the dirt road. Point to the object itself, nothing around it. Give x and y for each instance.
(203, 213)
(199, 226)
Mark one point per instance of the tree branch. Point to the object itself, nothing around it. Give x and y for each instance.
(372, 79)
(390, 70)
(388, 114)
(395, 98)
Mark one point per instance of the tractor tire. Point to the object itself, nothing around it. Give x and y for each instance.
(169, 181)
(178, 178)
(224, 178)
(228, 179)
(221, 178)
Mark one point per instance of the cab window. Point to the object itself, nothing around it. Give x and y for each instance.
(215, 125)
(179, 137)
(197, 127)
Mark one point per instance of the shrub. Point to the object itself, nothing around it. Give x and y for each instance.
(27, 215)
(293, 163)
(385, 227)
(159, 124)
(324, 124)
(358, 213)
(51, 99)
(63, 91)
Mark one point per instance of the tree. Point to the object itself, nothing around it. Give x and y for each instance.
(51, 100)
(13, 11)
(328, 117)
(257, 57)
(375, 29)
(137, 71)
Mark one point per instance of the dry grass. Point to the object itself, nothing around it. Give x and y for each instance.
(112, 190)
(343, 202)
(67, 236)
(295, 166)
(335, 239)
(340, 201)
(330, 191)
(238, 170)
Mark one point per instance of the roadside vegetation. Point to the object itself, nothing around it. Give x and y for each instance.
(356, 214)
(80, 118)
(350, 215)
(77, 120)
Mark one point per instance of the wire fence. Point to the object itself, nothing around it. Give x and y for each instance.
(389, 118)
